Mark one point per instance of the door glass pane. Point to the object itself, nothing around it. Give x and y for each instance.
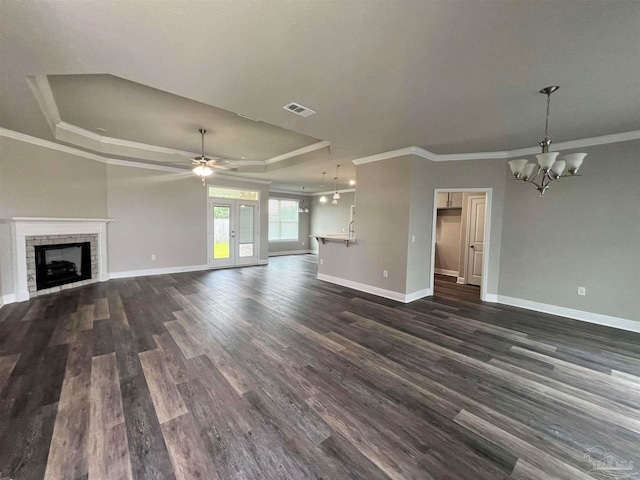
(221, 228)
(245, 231)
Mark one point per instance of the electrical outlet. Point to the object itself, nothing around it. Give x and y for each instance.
(322, 261)
(413, 239)
(153, 257)
(385, 274)
(582, 291)
(303, 244)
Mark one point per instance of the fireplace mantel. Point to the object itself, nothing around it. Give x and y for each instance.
(22, 227)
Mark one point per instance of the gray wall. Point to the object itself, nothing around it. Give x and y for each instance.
(585, 231)
(39, 182)
(164, 213)
(382, 227)
(303, 227)
(330, 218)
(155, 212)
(426, 177)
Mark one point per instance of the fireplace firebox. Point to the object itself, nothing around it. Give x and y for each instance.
(60, 264)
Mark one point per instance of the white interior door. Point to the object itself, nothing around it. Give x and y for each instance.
(475, 238)
(232, 232)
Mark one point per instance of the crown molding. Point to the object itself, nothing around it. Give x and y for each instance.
(450, 157)
(401, 152)
(237, 178)
(294, 153)
(4, 132)
(287, 192)
(41, 89)
(331, 192)
(66, 132)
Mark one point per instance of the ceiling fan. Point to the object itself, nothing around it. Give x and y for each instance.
(204, 166)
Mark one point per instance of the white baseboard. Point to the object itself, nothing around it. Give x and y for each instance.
(606, 320)
(7, 299)
(491, 297)
(448, 273)
(290, 252)
(461, 281)
(381, 292)
(158, 271)
(412, 297)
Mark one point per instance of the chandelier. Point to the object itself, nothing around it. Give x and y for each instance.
(548, 169)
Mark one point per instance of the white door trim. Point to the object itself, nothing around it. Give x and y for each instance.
(484, 295)
(234, 207)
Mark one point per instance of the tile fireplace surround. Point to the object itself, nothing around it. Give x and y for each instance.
(25, 231)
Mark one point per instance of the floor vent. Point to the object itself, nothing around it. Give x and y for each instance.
(299, 109)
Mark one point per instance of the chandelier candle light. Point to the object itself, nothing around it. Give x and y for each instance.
(548, 168)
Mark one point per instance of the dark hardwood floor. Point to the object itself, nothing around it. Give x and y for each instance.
(266, 372)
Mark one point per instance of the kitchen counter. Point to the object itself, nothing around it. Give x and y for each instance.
(341, 237)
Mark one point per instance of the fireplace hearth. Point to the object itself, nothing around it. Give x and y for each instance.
(62, 263)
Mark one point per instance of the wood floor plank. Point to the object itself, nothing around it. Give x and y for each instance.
(109, 449)
(221, 375)
(545, 462)
(7, 363)
(166, 398)
(101, 310)
(68, 454)
(190, 460)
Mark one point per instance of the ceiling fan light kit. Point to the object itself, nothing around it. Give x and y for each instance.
(204, 166)
(548, 169)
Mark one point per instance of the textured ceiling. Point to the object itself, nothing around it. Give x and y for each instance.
(448, 76)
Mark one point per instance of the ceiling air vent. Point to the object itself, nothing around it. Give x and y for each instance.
(299, 109)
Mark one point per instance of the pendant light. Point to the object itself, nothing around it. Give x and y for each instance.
(323, 198)
(336, 196)
(302, 208)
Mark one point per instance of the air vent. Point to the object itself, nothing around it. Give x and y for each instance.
(299, 109)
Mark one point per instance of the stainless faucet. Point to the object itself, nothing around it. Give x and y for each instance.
(352, 228)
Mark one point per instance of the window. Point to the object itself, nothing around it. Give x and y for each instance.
(220, 192)
(283, 219)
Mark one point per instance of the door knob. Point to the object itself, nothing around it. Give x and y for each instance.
(471, 246)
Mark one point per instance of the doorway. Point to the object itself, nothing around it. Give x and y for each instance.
(232, 232)
(460, 234)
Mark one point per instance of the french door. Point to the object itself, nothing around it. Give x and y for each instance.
(232, 232)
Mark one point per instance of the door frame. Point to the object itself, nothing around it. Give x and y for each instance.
(234, 204)
(487, 236)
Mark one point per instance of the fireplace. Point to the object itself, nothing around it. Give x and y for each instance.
(61, 264)
(27, 233)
